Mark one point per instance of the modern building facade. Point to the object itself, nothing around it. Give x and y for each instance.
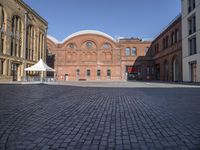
(166, 52)
(191, 40)
(94, 55)
(22, 39)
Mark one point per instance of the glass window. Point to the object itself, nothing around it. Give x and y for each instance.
(164, 43)
(89, 44)
(88, 72)
(192, 46)
(127, 51)
(172, 38)
(71, 45)
(77, 71)
(98, 73)
(191, 5)
(193, 69)
(1, 66)
(106, 46)
(108, 72)
(134, 51)
(192, 24)
(167, 42)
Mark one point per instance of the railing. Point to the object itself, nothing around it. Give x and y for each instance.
(39, 79)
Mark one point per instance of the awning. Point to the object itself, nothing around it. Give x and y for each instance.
(39, 66)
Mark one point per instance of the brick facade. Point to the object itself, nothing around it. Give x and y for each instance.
(103, 56)
(124, 59)
(166, 52)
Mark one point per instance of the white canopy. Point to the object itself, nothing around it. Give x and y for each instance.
(39, 66)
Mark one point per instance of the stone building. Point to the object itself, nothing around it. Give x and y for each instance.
(191, 40)
(22, 39)
(94, 55)
(166, 52)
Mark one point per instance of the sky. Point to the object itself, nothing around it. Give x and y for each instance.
(117, 18)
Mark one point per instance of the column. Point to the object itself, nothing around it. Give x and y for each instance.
(1, 26)
(45, 44)
(25, 37)
(40, 45)
(17, 37)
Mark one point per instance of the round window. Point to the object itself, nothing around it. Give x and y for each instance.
(89, 44)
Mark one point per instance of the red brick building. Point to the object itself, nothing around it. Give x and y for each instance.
(94, 55)
(166, 52)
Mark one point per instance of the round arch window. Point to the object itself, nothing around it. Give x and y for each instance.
(106, 45)
(89, 44)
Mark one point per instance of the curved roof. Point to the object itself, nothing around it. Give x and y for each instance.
(53, 39)
(82, 33)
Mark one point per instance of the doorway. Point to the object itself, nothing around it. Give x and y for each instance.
(15, 71)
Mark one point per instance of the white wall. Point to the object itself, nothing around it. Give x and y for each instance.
(185, 36)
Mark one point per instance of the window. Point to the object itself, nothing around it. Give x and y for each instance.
(98, 73)
(193, 71)
(88, 72)
(192, 24)
(108, 73)
(167, 42)
(127, 51)
(192, 46)
(16, 40)
(157, 48)
(1, 66)
(89, 44)
(176, 36)
(71, 45)
(106, 46)
(77, 72)
(164, 43)
(172, 38)
(2, 36)
(191, 5)
(134, 51)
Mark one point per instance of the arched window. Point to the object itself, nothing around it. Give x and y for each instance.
(176, 69)
(41, 53)
(89, 44)
(2, 28)
(71, 46)
(16, 38)
(127, 51)
(30, 40)
(134, 51)
(106, 45)
(166, 70)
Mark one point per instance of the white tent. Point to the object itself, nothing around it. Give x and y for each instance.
(39, 66)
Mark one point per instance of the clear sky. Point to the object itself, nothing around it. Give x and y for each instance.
(125, 18)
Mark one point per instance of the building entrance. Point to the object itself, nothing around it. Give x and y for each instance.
(15, 71)
(132, 73)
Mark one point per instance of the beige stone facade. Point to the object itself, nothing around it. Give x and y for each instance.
(22, 39)
(93, 55)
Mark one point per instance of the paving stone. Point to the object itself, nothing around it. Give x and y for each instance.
(72, 117)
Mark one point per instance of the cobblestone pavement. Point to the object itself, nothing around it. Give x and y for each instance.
(69, 117)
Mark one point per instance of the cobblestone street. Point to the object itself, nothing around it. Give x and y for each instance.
(114, 118)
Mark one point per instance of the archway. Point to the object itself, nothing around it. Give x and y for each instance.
(166, 71)
(176, 69)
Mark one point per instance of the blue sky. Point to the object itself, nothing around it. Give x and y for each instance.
(125, 18)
